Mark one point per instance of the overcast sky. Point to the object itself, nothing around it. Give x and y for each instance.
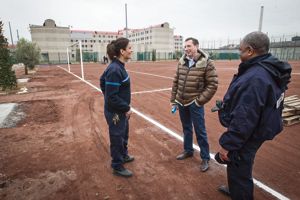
(205, 20)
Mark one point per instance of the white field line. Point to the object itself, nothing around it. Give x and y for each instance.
(150, 74)
(180, 138)
(151, 91)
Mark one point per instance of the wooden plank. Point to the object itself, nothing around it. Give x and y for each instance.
(291, 102)
(286, 112)
(292, 96)
(297, 108)
(295, 103)
(291, 120)
(292, 123)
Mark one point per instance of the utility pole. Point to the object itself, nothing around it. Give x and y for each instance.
(18, 35)
(261, 18)
(126, 20)
(12, 41)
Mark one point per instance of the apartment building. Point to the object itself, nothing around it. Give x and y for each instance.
(154, 41)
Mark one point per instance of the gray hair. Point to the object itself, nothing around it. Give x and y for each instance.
(259, 41)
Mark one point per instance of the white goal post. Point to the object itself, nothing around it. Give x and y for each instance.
(81, 62)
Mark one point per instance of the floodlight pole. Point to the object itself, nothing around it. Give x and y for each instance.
(68, 59)
(11, 37)
(18, 35)
(261, 18)
(81, 64)
(126, 20)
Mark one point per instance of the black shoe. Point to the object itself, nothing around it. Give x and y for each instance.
(224, 189)
(184, 155)
(128, 158)
(204, 165)
(122, 172)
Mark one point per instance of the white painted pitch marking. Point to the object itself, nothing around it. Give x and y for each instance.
(150, 74)
(151, 91)
(180, 138)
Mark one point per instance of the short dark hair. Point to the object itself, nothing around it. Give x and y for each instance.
(194, 40)
(113, 48)
(259, 41)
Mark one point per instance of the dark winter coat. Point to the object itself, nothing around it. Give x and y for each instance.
(253, 104)
(197, 83)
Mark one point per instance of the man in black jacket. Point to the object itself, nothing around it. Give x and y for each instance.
(251, 111)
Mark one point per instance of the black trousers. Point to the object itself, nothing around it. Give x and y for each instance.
(118, 135)
(239, 171)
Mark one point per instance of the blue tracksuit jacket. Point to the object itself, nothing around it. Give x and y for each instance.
(115, 85)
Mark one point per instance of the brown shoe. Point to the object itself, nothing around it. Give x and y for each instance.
(204, 165)
(184, 155)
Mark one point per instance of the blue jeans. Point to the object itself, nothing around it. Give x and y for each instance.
(190, 116)
(118, 135)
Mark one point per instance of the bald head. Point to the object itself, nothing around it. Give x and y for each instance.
(259, 41)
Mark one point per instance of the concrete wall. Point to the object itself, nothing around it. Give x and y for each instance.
(52, 40)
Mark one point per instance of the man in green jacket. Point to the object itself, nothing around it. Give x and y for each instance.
(194, 84)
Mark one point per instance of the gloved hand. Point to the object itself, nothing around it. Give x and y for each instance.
(219, 106)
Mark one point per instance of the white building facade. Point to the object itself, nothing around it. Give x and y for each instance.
(152, 43)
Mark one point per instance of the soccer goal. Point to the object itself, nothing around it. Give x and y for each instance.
(80, 52)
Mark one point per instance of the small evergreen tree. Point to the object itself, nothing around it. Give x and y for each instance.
(7, 76)
(28, 54)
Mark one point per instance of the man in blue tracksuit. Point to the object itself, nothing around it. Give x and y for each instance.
(115, 85)
(251, 112)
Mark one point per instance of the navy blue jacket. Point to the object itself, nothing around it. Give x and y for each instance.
(115, 85)
(253, 104)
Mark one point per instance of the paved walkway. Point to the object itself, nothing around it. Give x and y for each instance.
(5, 109)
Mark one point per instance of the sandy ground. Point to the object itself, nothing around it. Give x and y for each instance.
(60, 147)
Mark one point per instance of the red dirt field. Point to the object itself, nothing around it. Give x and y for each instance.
(60, 150)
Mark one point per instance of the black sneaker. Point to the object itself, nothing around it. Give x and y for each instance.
(224, 189)
(122, 172)
(128, 158)
(184, 155)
